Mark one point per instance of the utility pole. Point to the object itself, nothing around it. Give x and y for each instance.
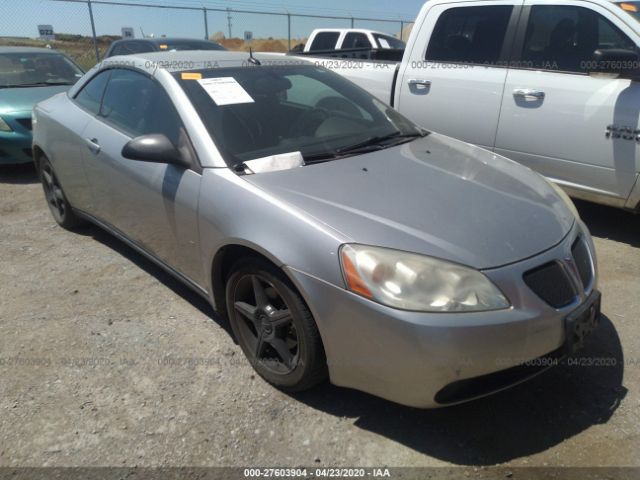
(206, 23)
(93, 31)
(229, 20)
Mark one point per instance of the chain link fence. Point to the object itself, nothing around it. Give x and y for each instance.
(84, 29)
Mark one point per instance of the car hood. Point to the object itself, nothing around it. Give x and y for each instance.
(435, 196)
(23, 99)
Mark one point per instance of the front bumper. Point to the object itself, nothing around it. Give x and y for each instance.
(15, 146)
(409, 357)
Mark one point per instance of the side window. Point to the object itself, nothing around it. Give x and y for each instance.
(138, 105)
(91, 94)
(325, 41)
(470, 35)
(563, 38)
(356, 40)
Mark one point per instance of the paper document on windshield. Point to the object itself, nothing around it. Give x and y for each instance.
(273, 163)
(225, 91)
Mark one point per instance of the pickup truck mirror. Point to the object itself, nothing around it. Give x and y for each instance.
(625, 63)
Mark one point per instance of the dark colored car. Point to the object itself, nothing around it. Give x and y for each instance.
(144, 45)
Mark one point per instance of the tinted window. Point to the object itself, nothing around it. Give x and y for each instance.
(470, 35)
(356, 40)
(563, 38)
(191, 45)
(289, 109)
(138, 105)
(91, 94)
(116, 50)
(128, 48)
(387, 41)
(325, 41)
(312, 93)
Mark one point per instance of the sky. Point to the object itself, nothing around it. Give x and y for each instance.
(21, 17)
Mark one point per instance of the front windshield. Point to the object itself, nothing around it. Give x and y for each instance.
(387, 41)
(632, 8)
(37, 69)
(261, 111)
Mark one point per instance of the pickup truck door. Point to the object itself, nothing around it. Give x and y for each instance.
(453, 78)
(558, 119)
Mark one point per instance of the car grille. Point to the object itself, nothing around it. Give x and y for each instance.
(25, 122)
(583, 262)
(551, 283)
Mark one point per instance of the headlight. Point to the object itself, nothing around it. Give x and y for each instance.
(4, 127)
(562, 194)
(410, 281)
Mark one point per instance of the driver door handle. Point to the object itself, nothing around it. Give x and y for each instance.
(528, 94)
(419, 83)
(93, 145)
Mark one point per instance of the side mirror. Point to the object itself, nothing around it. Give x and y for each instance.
(625, 63)
(155, 148)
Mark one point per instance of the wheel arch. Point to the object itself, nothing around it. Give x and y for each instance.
(38, 153)
(224, 259)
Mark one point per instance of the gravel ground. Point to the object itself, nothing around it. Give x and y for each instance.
(106, 360)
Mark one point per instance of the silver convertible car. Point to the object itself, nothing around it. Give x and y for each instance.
(339, 239)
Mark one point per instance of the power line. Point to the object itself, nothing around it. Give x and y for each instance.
(277, 8)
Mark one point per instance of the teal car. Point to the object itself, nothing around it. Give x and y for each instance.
(28, 76)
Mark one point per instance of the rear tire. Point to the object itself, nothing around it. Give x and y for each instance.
(274, 327)
(56, 199)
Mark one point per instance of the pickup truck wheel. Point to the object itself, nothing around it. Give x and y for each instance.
(56, 199)
(274, 327)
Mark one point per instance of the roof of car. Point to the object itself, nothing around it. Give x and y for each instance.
(197, 60)
(27, 50)
(350, 30)
(187, 60)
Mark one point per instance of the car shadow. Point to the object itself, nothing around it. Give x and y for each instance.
(608, 222)
(524, 420)
(152, 269)
(21, 174)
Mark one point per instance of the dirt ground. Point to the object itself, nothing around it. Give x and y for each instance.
(106, 360)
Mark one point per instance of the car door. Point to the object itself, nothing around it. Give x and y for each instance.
(555, 115)
(67, 144)
(453, 80)
(152, 204)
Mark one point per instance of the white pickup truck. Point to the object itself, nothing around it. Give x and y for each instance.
(322, 39)
(552, 84)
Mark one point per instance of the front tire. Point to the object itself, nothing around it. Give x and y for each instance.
(56, 199)
(274, 327)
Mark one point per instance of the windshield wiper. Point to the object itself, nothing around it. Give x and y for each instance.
(37, 84)
(371, 144)
(377, 142)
